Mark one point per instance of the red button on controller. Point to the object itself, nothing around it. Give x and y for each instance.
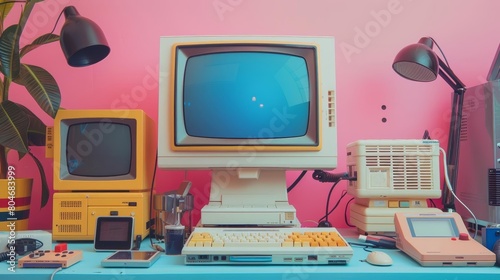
(463, 236)
(61, 247)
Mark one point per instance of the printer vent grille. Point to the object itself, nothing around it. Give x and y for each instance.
(494, 187)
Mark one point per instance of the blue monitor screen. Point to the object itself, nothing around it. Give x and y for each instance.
(99, 149)
(246, 95)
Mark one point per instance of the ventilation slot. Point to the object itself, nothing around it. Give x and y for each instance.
(71, 204)
(331, 108)
(70, 216)
(494, 187)
(469, 106)
(70, 228)
(411, 165)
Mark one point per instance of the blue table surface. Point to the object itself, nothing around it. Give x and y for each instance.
(173, 267)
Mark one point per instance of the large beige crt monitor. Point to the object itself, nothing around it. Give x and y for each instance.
(248, 108)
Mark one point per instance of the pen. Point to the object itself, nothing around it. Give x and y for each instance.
(379, 241)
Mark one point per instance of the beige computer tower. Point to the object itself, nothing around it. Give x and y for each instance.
(391, 176)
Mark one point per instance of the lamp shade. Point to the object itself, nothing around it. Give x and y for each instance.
(82, 41)
(417, 62)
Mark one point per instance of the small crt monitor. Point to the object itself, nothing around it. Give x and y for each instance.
(103, 150)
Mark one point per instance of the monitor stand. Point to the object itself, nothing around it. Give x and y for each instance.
(249, 197)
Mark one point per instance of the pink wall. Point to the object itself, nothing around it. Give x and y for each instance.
(368, 35)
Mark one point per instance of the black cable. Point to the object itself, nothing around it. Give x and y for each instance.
(4, 256)
(433, 204)
(325, 177)
(294, 184)
(151, 231)
(337, 204)
(364, 245)
(323, 221)
(441, 51)
(57, 21)
(345, 213)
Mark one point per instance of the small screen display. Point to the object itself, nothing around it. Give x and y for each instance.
(246, 95)
(132, 255)
(114, 233)
(99, 149)
(115, 230)
(433, 227)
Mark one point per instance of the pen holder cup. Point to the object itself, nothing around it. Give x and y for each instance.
(174, 239)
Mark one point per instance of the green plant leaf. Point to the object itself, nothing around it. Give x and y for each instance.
(9, 53)
(42, 87)
(13, 127)
(4, 11)
(9, 44)
(36, 129)
(43, 181)
(40, 41)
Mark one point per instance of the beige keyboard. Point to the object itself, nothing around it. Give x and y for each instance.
(266, 239)
(266, 245)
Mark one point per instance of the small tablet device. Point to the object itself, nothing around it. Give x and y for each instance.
(113, 233)
(131, 259)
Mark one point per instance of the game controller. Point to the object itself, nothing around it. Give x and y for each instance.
(60, 257)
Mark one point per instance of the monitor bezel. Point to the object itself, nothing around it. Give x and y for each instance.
(65, 125)
(184, 141)
(324, 156)
(145, 149)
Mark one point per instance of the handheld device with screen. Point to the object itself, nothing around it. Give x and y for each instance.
(114, 233)
(131, 259)
(439, 239)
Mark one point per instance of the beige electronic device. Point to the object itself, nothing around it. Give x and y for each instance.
(439, 239)
(392, 175)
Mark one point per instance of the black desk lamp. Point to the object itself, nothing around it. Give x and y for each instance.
(82, 41)
(417, 62)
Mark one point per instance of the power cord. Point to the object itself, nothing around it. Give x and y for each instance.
(54, 273)
(22, 246)
(325, 177)
(345, 212)
(294, 184)
(448, 185)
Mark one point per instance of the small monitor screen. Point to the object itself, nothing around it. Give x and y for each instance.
(240, 95)
(433, 227)
(115, 231)
(99, 149)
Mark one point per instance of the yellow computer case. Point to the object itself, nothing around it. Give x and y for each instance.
(75, 214)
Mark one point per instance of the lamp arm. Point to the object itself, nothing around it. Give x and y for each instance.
(450, 77)
(453, 148)
(454, 134)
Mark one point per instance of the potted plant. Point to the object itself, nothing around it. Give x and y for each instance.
(20, 128)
